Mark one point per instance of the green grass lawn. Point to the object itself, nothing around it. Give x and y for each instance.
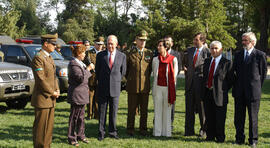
(16, 126)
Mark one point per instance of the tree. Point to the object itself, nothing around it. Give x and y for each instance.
(183, 18)
(8, 22)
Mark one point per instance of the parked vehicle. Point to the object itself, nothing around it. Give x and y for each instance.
(24, 53)
(16, 84)
(37, 40)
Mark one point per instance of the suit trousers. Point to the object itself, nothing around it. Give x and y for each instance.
(135, 99)
(193, 105)
(215, 118)
(241, 103)
(103, 102)
(92, 107)
(43, 127)
(76, 125)
(162, 109)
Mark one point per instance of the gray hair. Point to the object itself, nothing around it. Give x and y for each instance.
(112, 37)
(251, 36)
(218, 43)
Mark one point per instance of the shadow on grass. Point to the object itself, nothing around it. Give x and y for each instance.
(265, 135)
(3, 109)
(16, 133)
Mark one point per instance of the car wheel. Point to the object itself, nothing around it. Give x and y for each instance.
(17, 103)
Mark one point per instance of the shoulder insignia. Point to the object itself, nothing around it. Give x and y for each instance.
(38, 69)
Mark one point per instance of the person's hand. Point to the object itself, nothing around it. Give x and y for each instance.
(90, 67)
(185, 68)
(56, 94)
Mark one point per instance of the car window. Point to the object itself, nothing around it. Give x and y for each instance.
(56, 55)
(14, 51)
(66, 52)
(32, 50)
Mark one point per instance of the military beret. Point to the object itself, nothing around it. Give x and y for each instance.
(51, 38)
(100, 40)
(142, 35)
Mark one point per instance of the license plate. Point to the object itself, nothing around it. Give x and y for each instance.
(18, 87)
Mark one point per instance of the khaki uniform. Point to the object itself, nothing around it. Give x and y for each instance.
(138, 86)
(92, 83)
(1, 56)
(45, 85)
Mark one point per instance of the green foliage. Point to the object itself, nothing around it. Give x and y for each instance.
(182, 19)
(8, 24)
(76, 21)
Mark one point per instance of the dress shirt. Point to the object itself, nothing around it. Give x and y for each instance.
(80, 62)
(249, 52)
(113, 56)
(46, 53)
(200, 49)
(216, 62)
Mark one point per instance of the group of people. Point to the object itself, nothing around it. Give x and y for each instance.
(95, 78)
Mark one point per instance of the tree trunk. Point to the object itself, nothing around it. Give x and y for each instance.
(264, 23)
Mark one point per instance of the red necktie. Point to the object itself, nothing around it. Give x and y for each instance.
(195, 57)
(110, 61)
(211, 73)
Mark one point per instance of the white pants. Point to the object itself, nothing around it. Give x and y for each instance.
(162, 121)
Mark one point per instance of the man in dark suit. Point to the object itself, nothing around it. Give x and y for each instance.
(194, 85)
(110, 68)
(169, 41)
(217, 74)
(45, 92)
(250, 70)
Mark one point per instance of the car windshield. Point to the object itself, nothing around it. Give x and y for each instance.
(32, 51)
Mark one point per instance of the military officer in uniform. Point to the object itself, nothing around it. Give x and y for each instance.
(92, 107)
(45, 92)
(139, 61)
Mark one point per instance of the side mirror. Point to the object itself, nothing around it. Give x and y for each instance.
(22, 59)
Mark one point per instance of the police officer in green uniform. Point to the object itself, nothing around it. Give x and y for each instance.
(45, 92)
(92, 107)
(139, 62)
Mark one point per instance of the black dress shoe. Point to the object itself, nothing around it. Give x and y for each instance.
(210, 139)
(114, 136)
(239, 142)
(100, 138)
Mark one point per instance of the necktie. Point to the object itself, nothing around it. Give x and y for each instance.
(211, 73)
(247, 57)
(195, 57)
(110, 61)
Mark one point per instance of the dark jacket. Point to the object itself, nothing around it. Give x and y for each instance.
(78, 83)
(249, 76)
(109, 80)
(194, 75)
(222, 80)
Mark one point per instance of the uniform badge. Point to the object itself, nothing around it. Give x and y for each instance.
(147, 58)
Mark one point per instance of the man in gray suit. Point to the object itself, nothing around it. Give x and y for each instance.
(110, 68)
(169, 41)
(194, 85)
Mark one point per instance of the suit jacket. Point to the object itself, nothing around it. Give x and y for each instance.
(178, 56)
(222, 80)
(45, 81)
(109, 80)
(249, 77)
(91, 58)
(78, 83)
(138, 71)
(155, 66)
(195, 75)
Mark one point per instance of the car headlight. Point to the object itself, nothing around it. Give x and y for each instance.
(1, 80)
(63, 72)
(30, 74)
